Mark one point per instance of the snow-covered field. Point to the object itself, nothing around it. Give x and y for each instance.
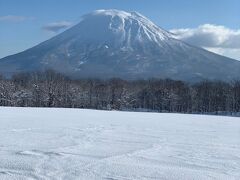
(88, 144)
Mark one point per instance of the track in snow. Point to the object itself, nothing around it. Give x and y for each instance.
(38, 143)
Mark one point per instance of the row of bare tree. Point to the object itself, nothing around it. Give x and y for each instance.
(51, 89)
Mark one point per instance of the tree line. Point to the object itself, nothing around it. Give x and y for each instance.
(51, 89)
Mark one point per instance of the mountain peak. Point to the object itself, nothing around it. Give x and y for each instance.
(128, 28)
(115, 12)
(110, 12)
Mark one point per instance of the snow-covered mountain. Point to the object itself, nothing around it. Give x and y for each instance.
(113, 43)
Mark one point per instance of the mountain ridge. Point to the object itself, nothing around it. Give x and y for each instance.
(113, 43)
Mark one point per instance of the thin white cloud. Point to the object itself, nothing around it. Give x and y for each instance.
(57, 26)
(14, 18)
(218, 39)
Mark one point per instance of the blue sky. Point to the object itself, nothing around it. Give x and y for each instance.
(25, 23)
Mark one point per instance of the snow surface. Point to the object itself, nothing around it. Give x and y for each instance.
(141, 27)
(38, 143)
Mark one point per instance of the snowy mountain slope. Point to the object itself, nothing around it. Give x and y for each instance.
(42, 143)
(113, 43)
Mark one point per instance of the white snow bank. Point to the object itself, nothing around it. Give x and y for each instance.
(38, 143)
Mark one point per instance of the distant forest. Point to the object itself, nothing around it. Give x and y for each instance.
(51, 89)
